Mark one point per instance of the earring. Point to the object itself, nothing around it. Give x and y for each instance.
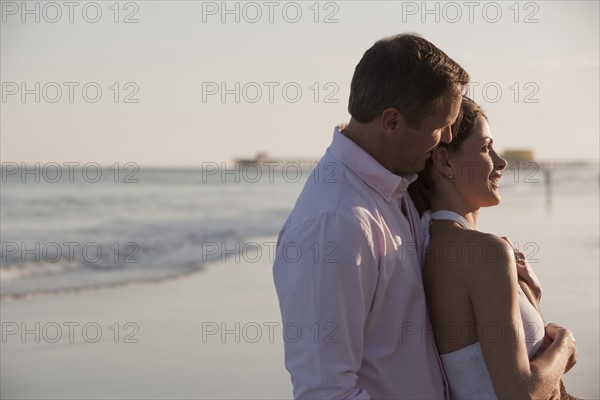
(450, 176)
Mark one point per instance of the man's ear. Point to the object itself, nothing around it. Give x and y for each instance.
(392, 122)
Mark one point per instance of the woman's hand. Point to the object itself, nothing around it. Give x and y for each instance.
(526, 273)
(555, 395)
(565, 336)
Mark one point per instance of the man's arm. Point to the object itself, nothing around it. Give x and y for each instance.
(526, 273)
(325, 275)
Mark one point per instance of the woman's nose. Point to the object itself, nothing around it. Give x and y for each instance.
(499, 162)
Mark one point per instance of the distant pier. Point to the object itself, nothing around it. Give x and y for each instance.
(523, 159)
(262, 160)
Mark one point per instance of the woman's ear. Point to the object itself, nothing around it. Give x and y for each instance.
(439, 156)
(442, 162)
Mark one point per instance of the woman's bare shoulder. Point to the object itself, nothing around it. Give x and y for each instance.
(471, 255)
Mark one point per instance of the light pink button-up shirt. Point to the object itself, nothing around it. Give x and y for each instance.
(348, 277)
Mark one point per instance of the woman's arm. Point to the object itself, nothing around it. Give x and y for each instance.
(551, 330)
(493, 288)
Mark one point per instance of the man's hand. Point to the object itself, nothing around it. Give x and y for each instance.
(526, 273)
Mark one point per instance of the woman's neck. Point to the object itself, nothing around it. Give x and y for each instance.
(440, 203)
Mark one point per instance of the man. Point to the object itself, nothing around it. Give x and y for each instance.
(349, 257)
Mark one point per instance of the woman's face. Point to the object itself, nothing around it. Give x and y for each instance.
(478, 168)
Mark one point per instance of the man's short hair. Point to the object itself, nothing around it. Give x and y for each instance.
(406, 72)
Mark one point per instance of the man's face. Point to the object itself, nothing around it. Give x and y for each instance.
(416, 144)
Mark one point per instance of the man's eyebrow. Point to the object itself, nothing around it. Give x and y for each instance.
(487, 138)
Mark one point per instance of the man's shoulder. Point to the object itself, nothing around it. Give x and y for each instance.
(333, 191)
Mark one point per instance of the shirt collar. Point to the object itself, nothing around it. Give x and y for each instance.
(369, 170)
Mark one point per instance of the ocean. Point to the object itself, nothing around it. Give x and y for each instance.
(82, 232)
(216, 229)
(82, 228)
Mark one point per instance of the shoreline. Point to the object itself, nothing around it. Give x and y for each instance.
(215, 334)
(7, 298)
(177, 354)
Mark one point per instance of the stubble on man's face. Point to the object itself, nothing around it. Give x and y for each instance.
(417, 143)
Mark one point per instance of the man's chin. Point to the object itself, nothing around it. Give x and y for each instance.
(412, 167)
(410, 170)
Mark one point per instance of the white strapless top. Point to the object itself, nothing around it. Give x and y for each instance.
(465, 369)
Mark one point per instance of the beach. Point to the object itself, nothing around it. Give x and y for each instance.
(171, 358)
(215, 331)
(152, 151)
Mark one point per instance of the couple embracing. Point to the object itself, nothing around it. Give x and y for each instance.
(379, 311)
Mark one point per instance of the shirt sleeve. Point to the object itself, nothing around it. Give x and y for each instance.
(325, 276)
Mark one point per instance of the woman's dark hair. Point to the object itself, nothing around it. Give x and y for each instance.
(423, 188)
(406, 72)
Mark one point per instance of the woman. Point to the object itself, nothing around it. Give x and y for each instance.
(487, 323)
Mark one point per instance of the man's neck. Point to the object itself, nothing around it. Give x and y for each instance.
(367, 138)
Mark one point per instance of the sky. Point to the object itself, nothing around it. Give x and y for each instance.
(182, 83)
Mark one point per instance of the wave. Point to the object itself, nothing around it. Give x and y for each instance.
(170, 224)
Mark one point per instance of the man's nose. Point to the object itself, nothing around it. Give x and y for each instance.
(446, 136)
